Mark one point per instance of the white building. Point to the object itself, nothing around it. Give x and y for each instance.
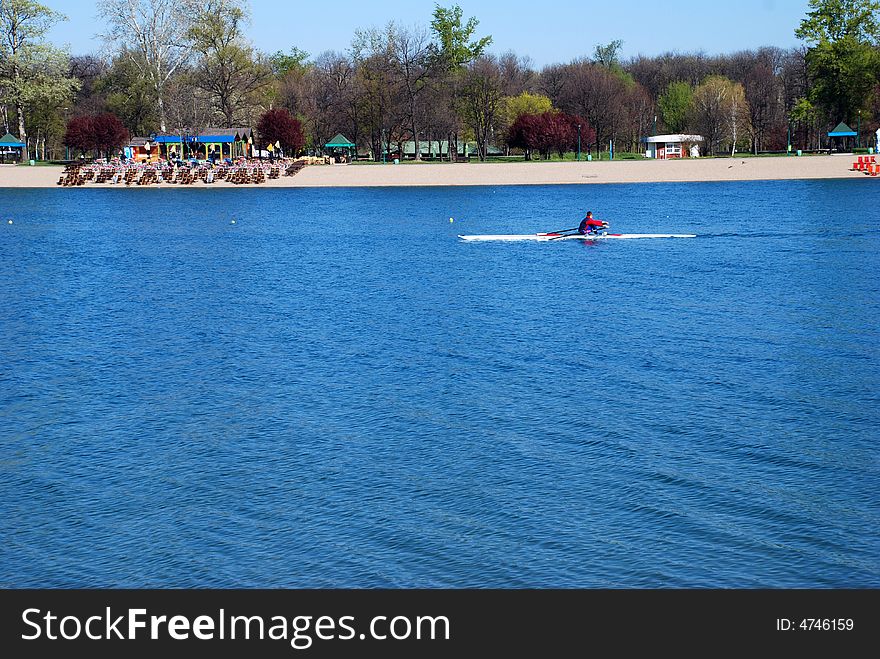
(668, 147)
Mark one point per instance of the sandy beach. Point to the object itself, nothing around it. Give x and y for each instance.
(514, 173)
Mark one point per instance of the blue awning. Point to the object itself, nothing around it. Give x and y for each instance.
(203, 139)
(842, 130)
(11, 141)
(225, 139)
(172, 139)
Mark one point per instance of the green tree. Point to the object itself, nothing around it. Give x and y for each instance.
(129, 95)
(802, 111)
(804, 117)
(609, 54)
(512, 108)
(833, 20)
(32, 73)
(296, 61)
(675, 105)
(454, 47)
(843, 60)
(228, 69)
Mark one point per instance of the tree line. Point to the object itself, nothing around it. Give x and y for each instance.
(181, 66)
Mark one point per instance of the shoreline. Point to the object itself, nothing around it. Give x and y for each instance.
(516, 173)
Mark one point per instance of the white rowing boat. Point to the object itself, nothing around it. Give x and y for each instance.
(545, 237)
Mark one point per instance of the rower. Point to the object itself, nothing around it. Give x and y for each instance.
(590, 225)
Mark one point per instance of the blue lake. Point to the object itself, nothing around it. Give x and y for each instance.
(335, 391)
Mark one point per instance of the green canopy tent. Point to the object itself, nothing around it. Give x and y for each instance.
(844, 133)
(8, 146)
(340, 143)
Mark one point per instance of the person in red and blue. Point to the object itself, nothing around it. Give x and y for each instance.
(589, 225)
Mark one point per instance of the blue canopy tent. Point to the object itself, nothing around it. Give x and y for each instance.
(11, 146)
(843, 133)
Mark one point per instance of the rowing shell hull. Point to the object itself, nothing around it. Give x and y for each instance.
(546, 237)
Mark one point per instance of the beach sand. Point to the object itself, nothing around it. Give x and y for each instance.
(514, 173)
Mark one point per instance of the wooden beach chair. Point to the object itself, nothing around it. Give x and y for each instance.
(294, 168)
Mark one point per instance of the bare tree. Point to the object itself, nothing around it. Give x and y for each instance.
(411, 55)
(596, 93)
(188, 108)
(552, 82)
(441, 120)
(292, 88)
(640, 112)
(481, 100)
(764, 97)
(720, 111)
(331, 104)
(517, 73)
(88, 69)
(376, 87)
(157, 31)
(657, 73)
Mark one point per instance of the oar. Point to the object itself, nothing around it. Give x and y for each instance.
(562, 230)
(575, 229)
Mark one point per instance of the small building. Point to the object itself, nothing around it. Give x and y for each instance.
(842, 137)
(209, 144)
(11, 148)
(670, 147)
(140, 149)
(341, 148)
(440, 149)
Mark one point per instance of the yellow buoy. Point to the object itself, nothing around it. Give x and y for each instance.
(450, 220)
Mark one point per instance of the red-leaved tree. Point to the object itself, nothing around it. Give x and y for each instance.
(104, 133)
(110, 133)
(549, 132)
(280, 126)
(522, 133)
(79, 134)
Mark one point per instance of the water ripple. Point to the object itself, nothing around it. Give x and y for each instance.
(336, 392)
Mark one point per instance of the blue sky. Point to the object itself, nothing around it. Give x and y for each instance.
(548, 31)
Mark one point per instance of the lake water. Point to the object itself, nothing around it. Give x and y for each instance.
(335, 391)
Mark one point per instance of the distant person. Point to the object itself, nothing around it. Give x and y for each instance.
(590, 225)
